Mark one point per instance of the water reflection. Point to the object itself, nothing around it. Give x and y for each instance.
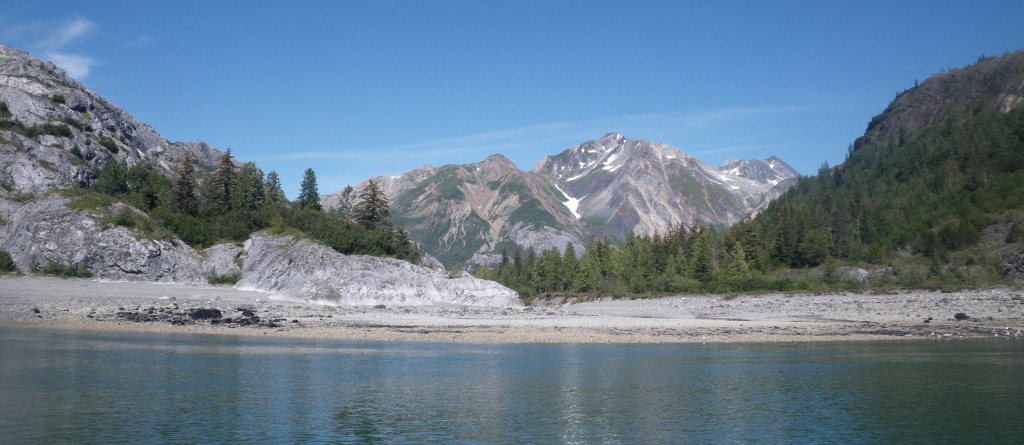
(67, 387)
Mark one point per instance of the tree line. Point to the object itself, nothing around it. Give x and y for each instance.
(230, 202)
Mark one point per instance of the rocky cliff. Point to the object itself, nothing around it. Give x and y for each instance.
(46, 230)
(299, 268)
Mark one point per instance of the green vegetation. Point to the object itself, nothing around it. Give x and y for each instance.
(6, 262)
(57, 99)
(233, 203)
(64, 270)
(8, 123)
(108, 143)
(228, 278)
(309, 197)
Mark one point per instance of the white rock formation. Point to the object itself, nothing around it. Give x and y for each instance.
(303, 269)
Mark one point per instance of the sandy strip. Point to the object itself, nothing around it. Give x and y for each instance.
(91, 305)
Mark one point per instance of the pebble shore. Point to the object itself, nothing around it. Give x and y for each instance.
(92, 305)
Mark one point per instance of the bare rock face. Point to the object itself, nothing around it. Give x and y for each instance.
(303, 269)
(56, 133)
(1013, 267)
(44, 230)
(222, 259)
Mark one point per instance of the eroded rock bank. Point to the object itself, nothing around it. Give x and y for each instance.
(47, 231)
(300, 268)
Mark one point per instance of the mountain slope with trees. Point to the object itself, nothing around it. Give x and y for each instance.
(931, 195)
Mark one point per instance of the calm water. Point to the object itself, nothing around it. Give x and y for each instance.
(67, 387)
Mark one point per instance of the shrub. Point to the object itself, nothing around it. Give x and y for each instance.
(65, 271)
(228, 278)
(108, 143)
(6, 262)
(57, 99)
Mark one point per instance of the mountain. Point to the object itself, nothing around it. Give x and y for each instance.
(769, 171)
(608, 187)
(57, 133)
(617, 186)
(456, 212)
(937, 177)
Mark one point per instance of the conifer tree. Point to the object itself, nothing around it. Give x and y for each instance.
(372, 209)
(249, 193)
(183, 189)
(570, 266)
(272, 189)
(221, 184)
(309, 197)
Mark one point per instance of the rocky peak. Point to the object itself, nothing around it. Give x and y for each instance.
(770, 171)
(61, 133)
(497, 163)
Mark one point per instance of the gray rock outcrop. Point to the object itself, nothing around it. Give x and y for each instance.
(1013, 267)
(222, 259)
(302, 269)
(44, 230)
(56, 133)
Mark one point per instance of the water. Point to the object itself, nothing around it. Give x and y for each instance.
(79, 387)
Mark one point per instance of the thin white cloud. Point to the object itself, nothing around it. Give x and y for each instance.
(55, 42)
(74, 65)
(69, 32)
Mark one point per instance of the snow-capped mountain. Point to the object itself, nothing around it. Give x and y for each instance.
(610, 187)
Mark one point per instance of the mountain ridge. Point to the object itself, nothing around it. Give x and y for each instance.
(608, 187)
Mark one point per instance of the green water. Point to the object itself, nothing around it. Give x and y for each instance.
(78, 387)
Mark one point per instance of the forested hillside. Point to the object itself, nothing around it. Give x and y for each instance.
(932, 194)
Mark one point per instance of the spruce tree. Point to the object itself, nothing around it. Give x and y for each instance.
(309, 197)
(221, 183)
(372, 209)
(272, 189)
(249, 192)
(570, 266)
(183, 189)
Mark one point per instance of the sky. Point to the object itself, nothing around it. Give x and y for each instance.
(355, 89)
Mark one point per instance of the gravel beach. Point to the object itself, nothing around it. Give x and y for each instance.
(93, 305)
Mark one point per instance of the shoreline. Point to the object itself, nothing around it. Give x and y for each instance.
(76, 304)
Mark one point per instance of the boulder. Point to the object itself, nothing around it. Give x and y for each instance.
(303, 269)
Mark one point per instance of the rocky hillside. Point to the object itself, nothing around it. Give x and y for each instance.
(56, 133)
(609, 187)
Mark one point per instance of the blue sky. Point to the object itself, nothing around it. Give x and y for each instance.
(354, 89)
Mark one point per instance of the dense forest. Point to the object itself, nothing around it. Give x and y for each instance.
(913, 201)
(230, 202)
